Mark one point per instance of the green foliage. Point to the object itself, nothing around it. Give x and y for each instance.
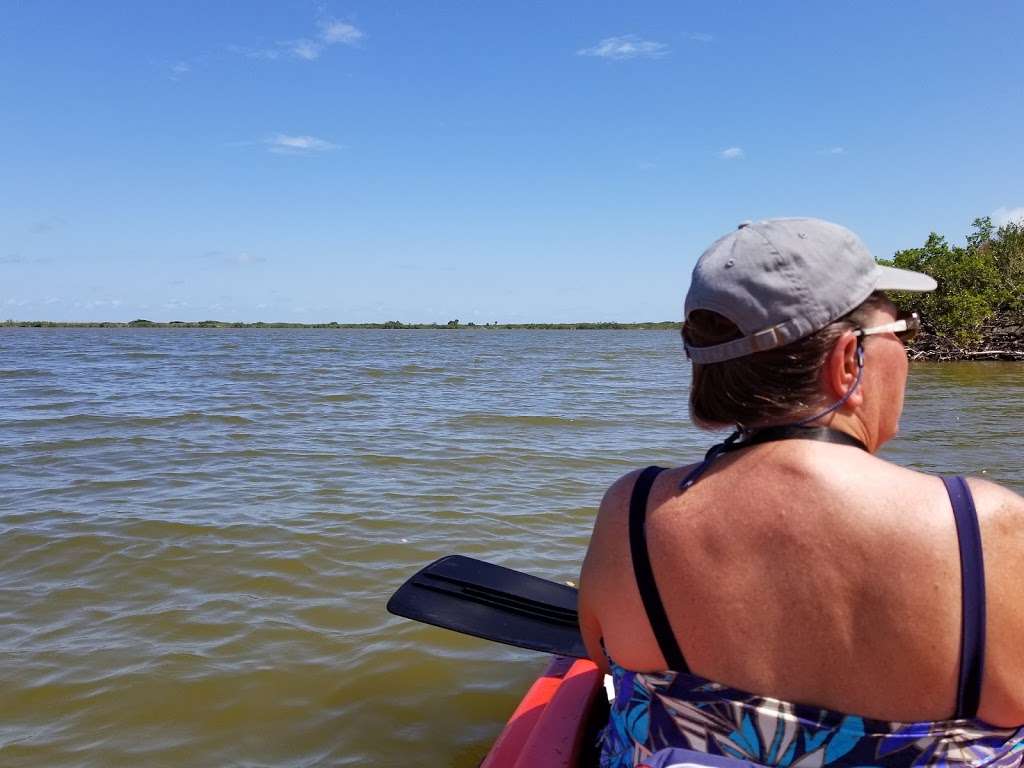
(975, 281)
(1008, 254)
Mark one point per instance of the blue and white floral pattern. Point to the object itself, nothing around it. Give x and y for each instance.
(655, 710)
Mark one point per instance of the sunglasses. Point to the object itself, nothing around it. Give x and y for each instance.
(905, 327)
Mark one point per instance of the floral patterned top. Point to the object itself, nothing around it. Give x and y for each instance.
(654, 710)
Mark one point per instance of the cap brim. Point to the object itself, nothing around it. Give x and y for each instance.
(893, 279)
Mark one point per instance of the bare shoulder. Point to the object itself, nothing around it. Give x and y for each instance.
(598, 571)
(617, 496)
(609, 605)
(1001, 516)
(609, 524)
(613, 515)
(996, 498)
(609, 543)
(1000, 510)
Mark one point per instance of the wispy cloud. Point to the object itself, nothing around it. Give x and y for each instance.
(1003, 216)
(732, 153)
(700, 37)
(328, 32)
(331, 32)
(283, 144)
(625, 47)
(305, 49)
(180, 68)
(832, 151)
(11, 258)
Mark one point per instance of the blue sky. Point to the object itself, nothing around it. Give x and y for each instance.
(528, 161)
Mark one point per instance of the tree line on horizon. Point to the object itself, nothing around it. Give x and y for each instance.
(978, 281)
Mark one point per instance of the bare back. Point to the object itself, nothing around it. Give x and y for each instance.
(813, 573)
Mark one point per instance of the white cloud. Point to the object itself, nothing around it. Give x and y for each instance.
(732, 153)
(625, 47)
(306, 49)
(334, 31)
(179, 70)
(298, 145)
(832, 151)
(701, 37)
(1003, 216)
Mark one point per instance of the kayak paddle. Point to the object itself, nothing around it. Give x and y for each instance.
(496, 603)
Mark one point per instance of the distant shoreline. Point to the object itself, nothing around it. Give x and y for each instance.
(392, 325)
(999, 340)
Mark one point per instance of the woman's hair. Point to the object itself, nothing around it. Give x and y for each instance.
(769, 387)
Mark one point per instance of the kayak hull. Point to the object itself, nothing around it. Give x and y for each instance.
(556, 723)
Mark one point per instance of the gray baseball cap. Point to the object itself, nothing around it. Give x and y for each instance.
(779, 280)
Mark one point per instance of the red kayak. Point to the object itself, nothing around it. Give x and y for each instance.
(556, 723)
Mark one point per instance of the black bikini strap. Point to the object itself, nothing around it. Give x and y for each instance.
(645, 576)
(972, 581)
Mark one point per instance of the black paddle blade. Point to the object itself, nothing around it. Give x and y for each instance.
(492, 602)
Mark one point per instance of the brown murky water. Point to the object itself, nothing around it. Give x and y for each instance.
(199, 529)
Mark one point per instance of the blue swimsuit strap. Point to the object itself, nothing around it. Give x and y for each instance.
(972, 587)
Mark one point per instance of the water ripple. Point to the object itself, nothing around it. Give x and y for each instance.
(199, 529)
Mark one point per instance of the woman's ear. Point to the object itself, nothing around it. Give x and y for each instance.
(841, 368)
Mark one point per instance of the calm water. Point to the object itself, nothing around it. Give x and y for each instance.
(200, 528)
